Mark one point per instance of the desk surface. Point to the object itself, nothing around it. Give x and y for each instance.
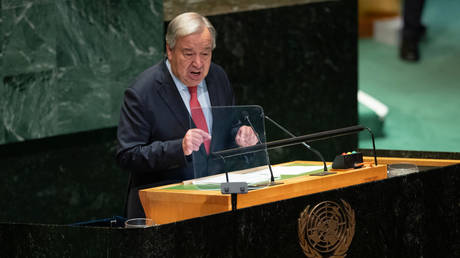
(165, 205)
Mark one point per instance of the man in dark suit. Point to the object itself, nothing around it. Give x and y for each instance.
(155, 140)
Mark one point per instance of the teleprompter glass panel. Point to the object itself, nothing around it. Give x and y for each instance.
(237, 151)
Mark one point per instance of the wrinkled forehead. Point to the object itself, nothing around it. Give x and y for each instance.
(196, 41)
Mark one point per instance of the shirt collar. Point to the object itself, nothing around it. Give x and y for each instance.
(180, 86)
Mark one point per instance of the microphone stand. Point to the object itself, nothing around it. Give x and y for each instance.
(241, 187)
(272, 178)
(322, 173)
(232, 188)
(295, 140)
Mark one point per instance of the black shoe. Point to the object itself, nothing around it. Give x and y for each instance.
(409, 50)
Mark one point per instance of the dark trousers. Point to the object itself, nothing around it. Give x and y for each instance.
(412, 15)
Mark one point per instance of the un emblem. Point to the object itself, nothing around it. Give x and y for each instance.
(327, 229)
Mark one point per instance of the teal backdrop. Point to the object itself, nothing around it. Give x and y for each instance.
(65, 64)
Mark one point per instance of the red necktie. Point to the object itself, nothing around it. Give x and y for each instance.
(197, 115)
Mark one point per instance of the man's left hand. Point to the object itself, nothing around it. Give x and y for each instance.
(246, 136)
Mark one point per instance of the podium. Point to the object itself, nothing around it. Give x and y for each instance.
(171, 203)
(403, 216)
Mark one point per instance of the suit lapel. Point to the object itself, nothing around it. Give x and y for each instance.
(213, 91)
(172, 98)
(214, 98)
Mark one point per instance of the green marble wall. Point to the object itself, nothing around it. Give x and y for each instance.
(65, 63)
(212, 7)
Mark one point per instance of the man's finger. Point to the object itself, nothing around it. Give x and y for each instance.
(204, 135)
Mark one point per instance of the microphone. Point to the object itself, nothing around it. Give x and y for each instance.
(292, 141)
(245, 115)
(296, 140)
(325, 172)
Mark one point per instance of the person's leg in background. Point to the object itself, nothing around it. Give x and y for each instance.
(413, 30)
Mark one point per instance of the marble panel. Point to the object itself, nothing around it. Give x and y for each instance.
(122, 34)
(63, 179)
(210, 7)
(67, 63)
(29, 42)
(1, 42)
(11, 4)
(300, 64)
(60, 101)
(24, 105)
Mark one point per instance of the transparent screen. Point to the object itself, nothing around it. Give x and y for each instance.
(236, 152)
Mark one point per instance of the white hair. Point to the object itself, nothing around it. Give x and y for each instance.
(187, 24)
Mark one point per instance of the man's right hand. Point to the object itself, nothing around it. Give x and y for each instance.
(193, 140)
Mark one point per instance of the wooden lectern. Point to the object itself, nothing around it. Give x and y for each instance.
(170, 203)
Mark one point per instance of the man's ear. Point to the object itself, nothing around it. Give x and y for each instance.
(168, 51)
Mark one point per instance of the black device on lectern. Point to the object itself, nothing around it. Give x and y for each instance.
(348, 160)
